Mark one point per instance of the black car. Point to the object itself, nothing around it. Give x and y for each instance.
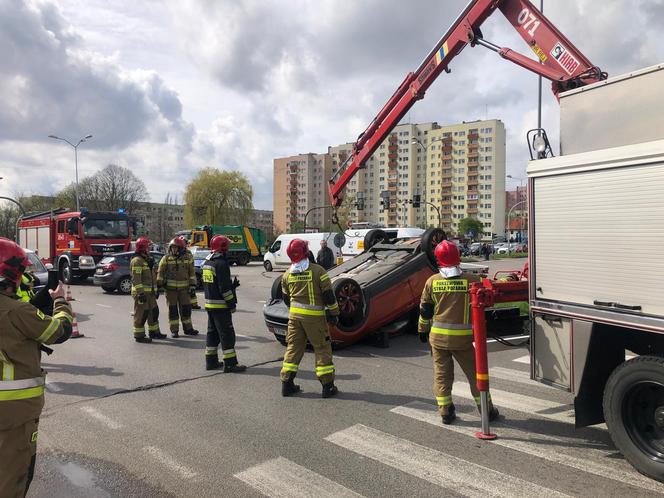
(113, 273)
(37, 269)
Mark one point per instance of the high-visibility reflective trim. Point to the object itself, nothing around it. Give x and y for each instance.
(449, 285)
(210, 351)
(139, 330)
(308, 306)
(7, 367)
(422, 321)
(216, 301)
(210, 306)
(444, 400)
(440, 331)
(333, 307)
(453, 326)
(228, 296)
(176, 285)
(310, 290)
(298, 310)
(63, 315)
(50, 330)
(33, 392)
(482, 376)
(324, 369)
(138, 269)
(12, 385)
(174, 322)
(324, 277)
(226, 356)
(186, 321)
(153, 328)
(300, 277)
(289, 367)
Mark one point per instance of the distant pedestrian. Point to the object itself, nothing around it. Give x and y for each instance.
(311, 257)
(325, 256)
(486, 250)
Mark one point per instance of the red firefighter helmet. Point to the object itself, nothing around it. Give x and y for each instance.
(142, 244)
(297, 250)
(220, 243)
(13, 261)
(447, 254)
(178, 241)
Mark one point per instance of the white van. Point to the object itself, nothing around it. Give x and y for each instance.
(355, 238)
(276, 256)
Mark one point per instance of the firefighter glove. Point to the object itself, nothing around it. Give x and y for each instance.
(424, 337)
(233, 308)
(192, 290)
(142, 299)
(236, 283)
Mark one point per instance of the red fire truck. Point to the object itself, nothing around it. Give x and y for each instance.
(74, 242)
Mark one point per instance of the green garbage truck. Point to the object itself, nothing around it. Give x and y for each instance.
(247, 243)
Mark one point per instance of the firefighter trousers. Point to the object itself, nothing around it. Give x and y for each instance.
(18, 452)
(314, 329)
(443, 377)
(220, 331)
(179, 308)
(146, 312)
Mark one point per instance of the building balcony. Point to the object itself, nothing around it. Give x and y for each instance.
(472, 211)
(446, 204)
(472, 169)
(393, 148)
(447, 157)
(473, 183)
(473, 136)
(446, 185)
(392, 155)
(446, 179)
(447, 149)
(472, 164)
(445, 212)
(391, 188)
(392, 138)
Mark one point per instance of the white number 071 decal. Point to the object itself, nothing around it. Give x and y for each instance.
(528, 21)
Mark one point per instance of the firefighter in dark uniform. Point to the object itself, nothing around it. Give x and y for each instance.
(192, 291)
(308, 293)
(145, 293)
(220, 303)
(24, 330)
(446, 322)
(177, 278)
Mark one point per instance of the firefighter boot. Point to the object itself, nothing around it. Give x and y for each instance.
(157, 335)
(288, 387)
(330, 390)
(450, 416)
(237, 368)
(175, 334)
(191, 332)
(212, 363)
(143, 339)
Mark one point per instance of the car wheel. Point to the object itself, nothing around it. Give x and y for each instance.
(634, 413)
(108, 289)
(373, 237)
(243, 259)
(276, 292)
(430, 239)
(267, 265)
(124, 285)
(350, 298)
(65, 272)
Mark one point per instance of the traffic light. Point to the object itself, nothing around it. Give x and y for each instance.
(416, 200)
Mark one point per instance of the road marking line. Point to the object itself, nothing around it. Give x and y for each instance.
(281, 478)
(243, 336)
(523, 359)
(262, 302)
(53, 387)
(449, 472)
(514, 438)
(515, 376)
(170, 462)
(107, 421)
(104, 305)
(527, 404)
(511, 338)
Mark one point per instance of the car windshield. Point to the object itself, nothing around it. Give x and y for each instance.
(106, 229)
(201, 254)
(35, 265)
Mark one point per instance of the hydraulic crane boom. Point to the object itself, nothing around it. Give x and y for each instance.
(558, 60)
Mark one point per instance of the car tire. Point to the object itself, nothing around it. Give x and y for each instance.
(243, 259)
(124, 285)
(634, 413)
(276, 292)
(281, 340)
(430, 239)
(373, 237)
(352, 304)
(109, 290)
(267, 265)
(65, 272)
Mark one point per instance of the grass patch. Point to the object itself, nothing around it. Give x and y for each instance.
(511, 255)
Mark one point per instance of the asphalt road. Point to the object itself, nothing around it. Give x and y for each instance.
(128, 419)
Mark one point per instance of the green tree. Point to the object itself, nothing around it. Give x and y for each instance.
(473, 225)
(216, 197)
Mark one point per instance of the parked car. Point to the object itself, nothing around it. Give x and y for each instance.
(379, 289)
(199, 258)
(112, 272)
(37, 269)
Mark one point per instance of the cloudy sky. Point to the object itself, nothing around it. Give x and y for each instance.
(169, 87)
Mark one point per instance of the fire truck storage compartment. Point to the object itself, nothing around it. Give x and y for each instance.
(36, 238)
(622, 110)
(598, 234)
(552, 361)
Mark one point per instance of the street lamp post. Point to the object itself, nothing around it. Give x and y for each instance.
(520, 193)
(509, 213)
(84, 139)
(417, 141)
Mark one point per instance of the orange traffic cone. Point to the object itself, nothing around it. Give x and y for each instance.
(68, 295)
(74, 329)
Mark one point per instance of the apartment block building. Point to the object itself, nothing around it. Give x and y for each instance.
(300, 183)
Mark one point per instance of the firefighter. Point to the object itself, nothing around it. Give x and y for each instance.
(24, 331)
(446, 323)
(177, 278)
(25, 291)
(145, 293)
(220, 303)
(192, 292)
(308, 293)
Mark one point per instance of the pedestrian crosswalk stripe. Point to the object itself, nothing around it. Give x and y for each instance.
(281, 478)
(523, 359)
(452, 473)
(546, 447)
(513, 401)
(515, 376)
